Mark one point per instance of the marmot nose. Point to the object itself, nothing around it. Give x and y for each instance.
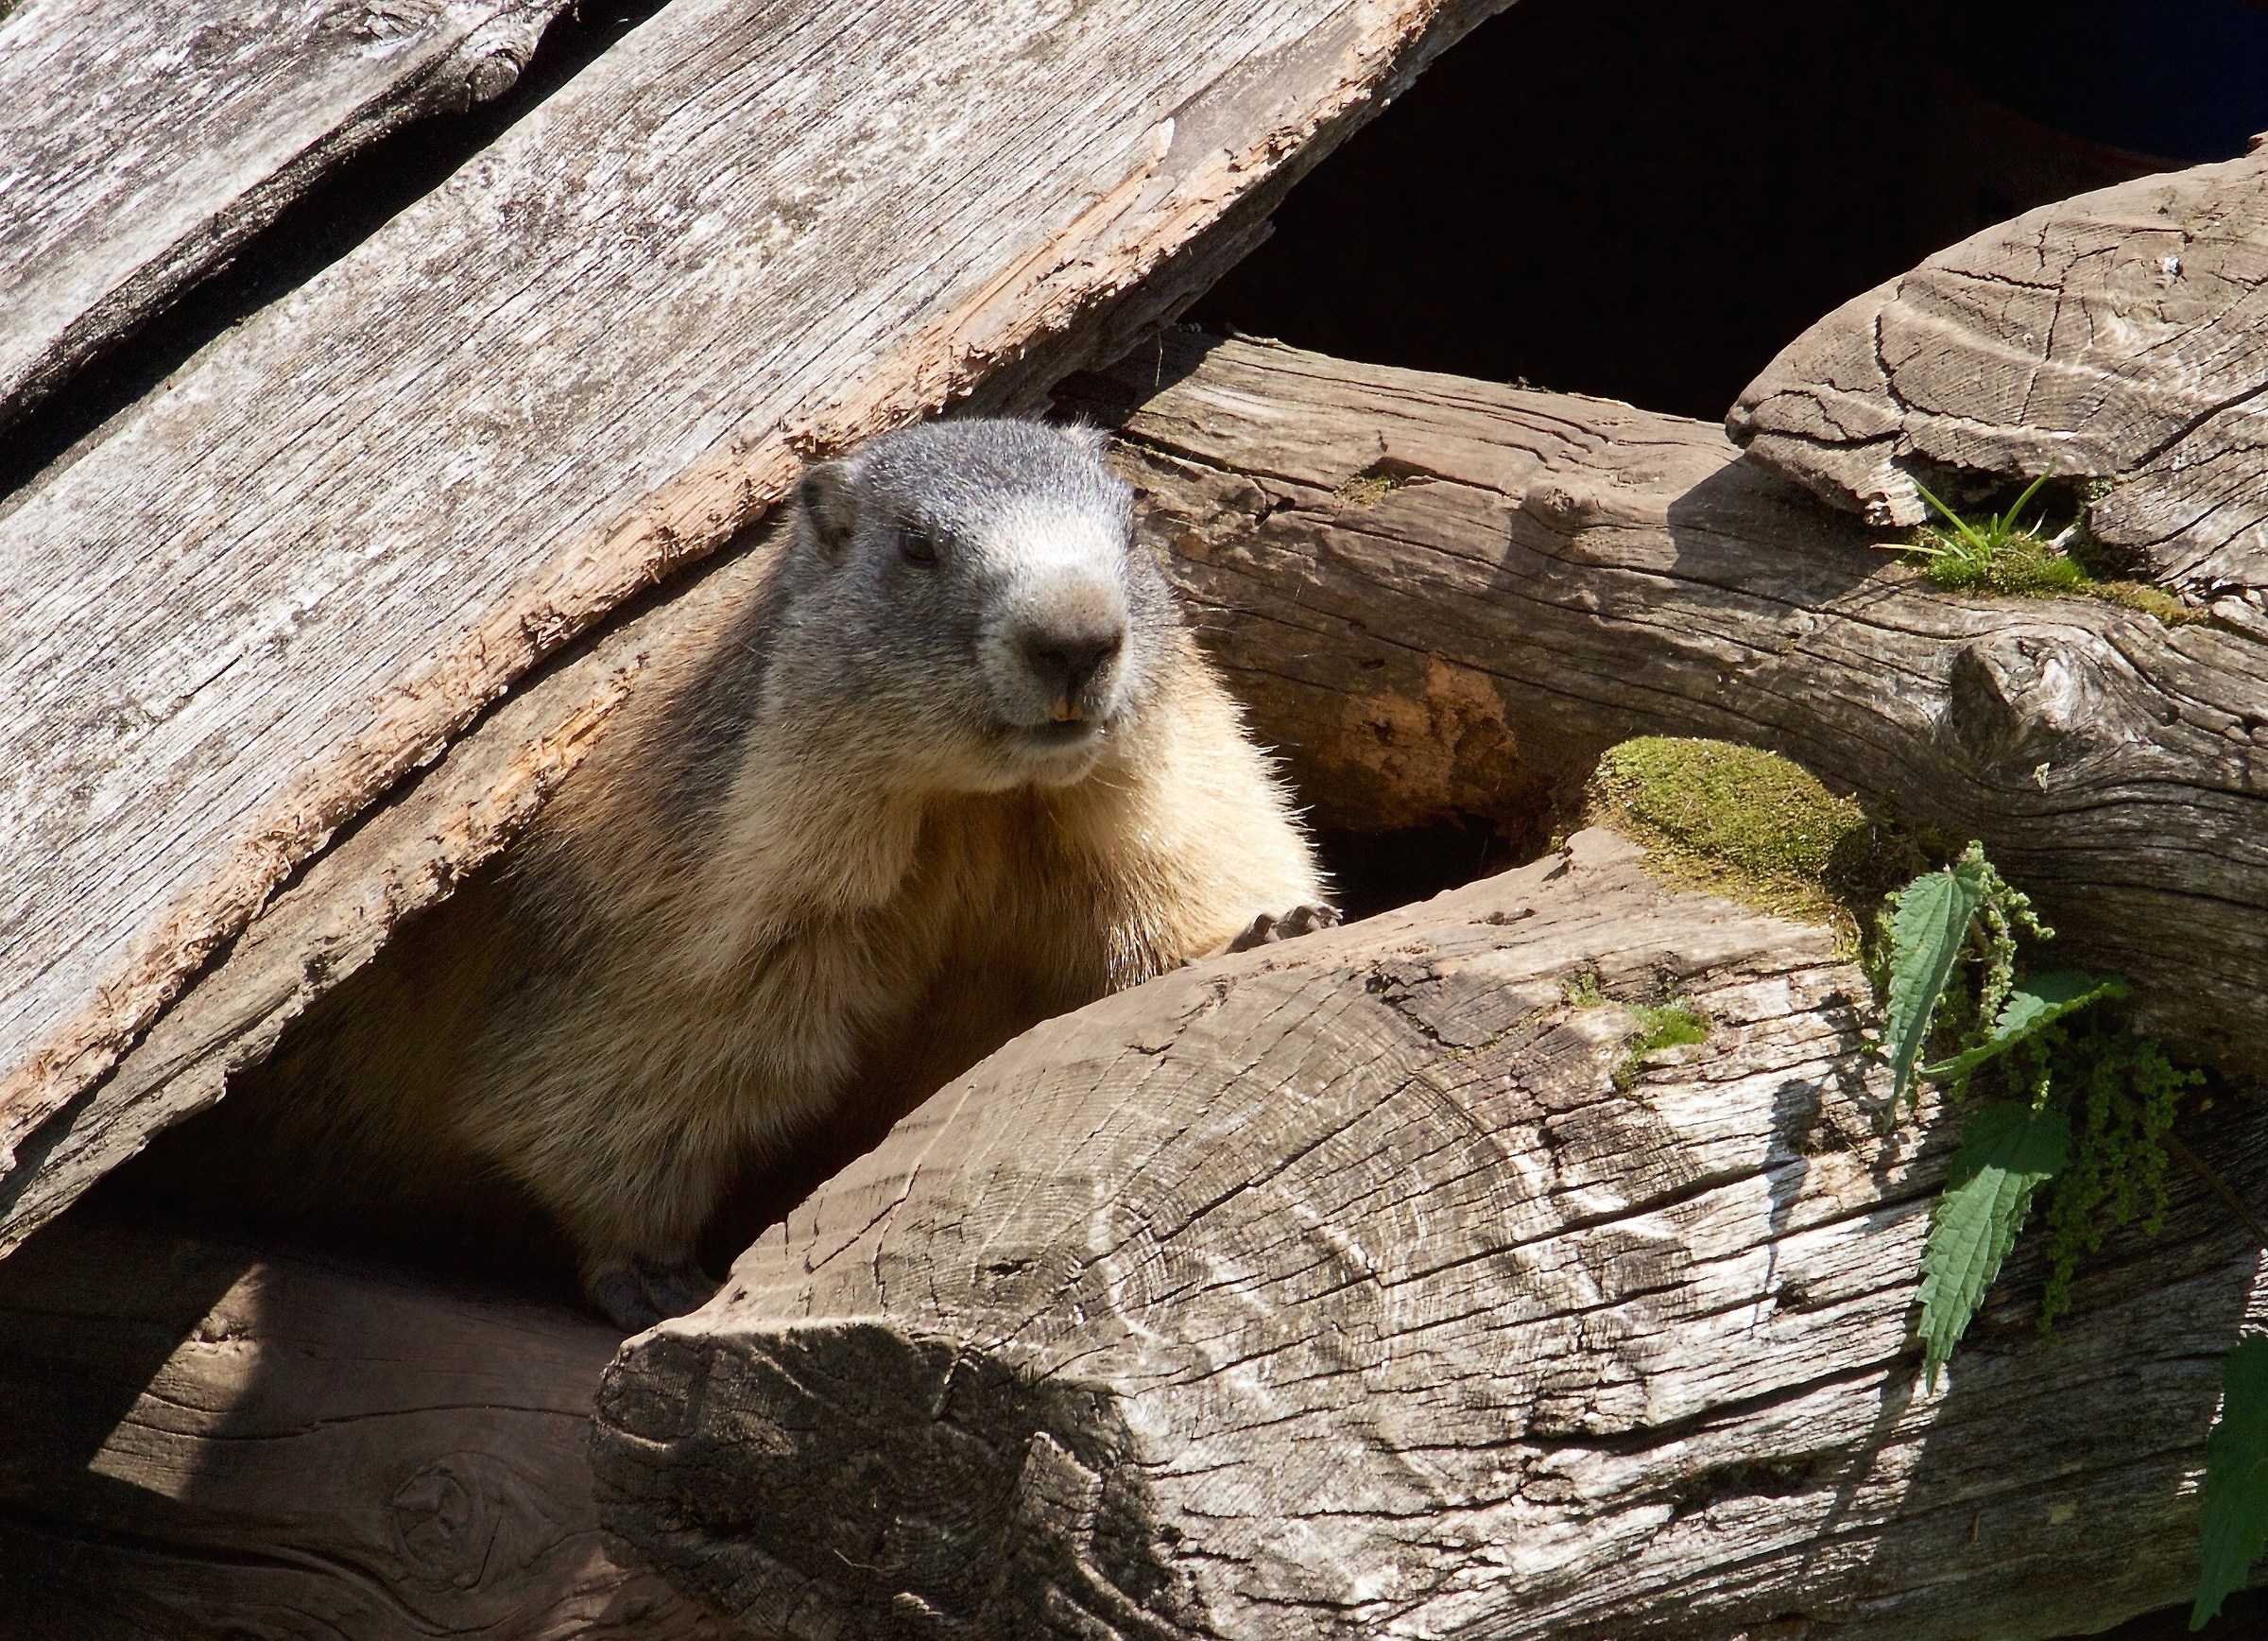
(1065, 663)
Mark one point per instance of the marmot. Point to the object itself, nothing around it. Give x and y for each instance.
(956, 767)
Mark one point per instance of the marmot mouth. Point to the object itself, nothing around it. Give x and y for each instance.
(1062, 732)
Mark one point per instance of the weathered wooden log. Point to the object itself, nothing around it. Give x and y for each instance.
(146, 144)
(1442, 598)
(1369, 1286)
(209, 1442)
(1438, 594)
(2117, 337)
(267, 592)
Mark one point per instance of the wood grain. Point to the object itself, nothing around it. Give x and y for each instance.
(2116, 336)
(1362, 1288)
(745, 234)
(209, 1442)
(1526, 579)
(141, 146)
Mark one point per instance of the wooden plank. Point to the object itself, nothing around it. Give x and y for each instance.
(744, 234)
(210, 1441)
(1361, 1288)
(141, 146)
(1446, 596)
(2115, 340)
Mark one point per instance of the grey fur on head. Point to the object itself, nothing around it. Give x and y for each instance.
(971, 593)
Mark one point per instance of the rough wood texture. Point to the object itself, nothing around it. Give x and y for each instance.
(410, 853)
(598, 351)
(2118, 336)
(206, 1443)
(140, 144)
(1553, 574)
(1346, 1290)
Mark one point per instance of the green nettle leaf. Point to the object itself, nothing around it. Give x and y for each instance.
(2236, 1478)
(2033, 1006)
(1929, 920)
(2007, 1151)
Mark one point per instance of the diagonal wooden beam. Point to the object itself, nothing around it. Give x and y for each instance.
(744, 236)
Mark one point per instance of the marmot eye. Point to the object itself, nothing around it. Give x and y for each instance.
(917, 545)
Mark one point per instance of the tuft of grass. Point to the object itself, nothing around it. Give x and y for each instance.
(2002, 555)
(1998, 555)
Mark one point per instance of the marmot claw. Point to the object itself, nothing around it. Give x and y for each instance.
(1300, 920)
(640, 1291)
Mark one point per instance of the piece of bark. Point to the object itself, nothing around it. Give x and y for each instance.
(745, 234)
(1365, 1286)
(2116, 337)
(146, 144)
(1438, 594)
(209, 1442)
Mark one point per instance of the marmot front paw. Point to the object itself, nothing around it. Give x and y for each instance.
(641, 1290)
(1267, 926)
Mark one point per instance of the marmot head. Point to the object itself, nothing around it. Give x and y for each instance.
(987, 611)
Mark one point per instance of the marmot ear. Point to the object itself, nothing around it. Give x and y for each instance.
(829, 499)
(1085, 436)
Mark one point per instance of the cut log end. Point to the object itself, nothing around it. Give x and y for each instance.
(961, 1493)
(2109, 340)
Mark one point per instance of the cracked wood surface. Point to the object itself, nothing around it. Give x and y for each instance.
(2120, 336)
(1360, 1288)
(290, 576)
(140, 144)
(1439, 595)
(209, 1442)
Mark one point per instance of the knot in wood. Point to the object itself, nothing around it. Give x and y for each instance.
(491, 57)
(1563, 506)
(490, 77)
(445, 1518)
(2018, 700)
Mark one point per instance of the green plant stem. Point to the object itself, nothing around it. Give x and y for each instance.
(2197, 1165)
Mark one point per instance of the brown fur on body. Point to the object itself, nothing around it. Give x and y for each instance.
(778, 882)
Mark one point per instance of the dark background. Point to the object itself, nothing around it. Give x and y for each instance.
(1646, 199)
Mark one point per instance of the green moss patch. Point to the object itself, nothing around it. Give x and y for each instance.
(1369, 487)
(1581, 990)
(2155, 601)
(1671, 1025)
(2023, 565)
(1751, 826)
(1674, 1024)
(2019, 563)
